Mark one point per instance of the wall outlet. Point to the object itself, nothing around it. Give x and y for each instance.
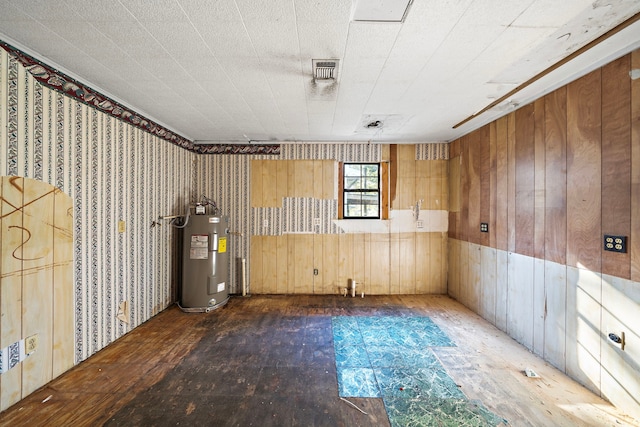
(615, 243)
(265, 223)
(121, 226)
(484, 227)
(419, 224)
(31, 344)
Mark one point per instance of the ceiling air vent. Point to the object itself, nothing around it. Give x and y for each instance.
(325, 70)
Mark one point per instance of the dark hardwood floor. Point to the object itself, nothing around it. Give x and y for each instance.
(269, 361)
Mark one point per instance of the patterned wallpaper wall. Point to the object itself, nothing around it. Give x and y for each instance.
(113, 171)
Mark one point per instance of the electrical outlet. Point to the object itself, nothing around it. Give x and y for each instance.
(484, 227)
(265, 223)
(419, 224)
(615, 243)
(31, 344)
(316, 222)
(121, 226)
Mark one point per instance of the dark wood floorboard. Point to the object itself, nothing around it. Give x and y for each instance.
(269, 361)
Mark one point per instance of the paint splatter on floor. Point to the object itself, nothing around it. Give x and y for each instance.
(390, 358)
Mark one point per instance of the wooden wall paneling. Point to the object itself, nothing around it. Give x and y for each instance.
(463, 291)
(511, 182)
(282, 181)
(454, 197)
(620, 308)
(282, 264)
(330, 264)
(393, 175)
(380, 264)
(63, 322)
(37, 282)
(423, 263)
(318, 179)
(406, 185)
(484, 165)
(395, 263)
(525, 179)
(367, 263)
(493, 183)
(407, 263)
(634, 241)
(303, 261)
(385, 196)
(539, 185)
(423, 183)
(584, 298)
(538, 305)
(291, 177)
(318, 263)
(441, 170)
(502, 289)
(269, 184)
(488, 263)
(520, 299)
(616, 162)
(502, 184)
(360, 254)
(345, 259)
(584, 237)
(463, 231)
(256, 183)
(439, 262)
(304, 178)
(474, 280)
(453, 273)
(329, 180)
(269, 264)
(555, 238)
(291, 261)
(255, 265)
(11, 282)
(555, 319)
(474, 196)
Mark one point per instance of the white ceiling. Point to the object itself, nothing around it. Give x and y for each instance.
(239, 70)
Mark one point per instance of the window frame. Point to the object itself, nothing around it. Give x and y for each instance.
(379, 190)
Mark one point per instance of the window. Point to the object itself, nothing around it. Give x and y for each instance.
(361, 190)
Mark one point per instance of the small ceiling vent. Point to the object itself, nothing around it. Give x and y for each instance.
(325, 70)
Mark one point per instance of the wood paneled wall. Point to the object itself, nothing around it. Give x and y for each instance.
(554, 176)
(562, 172)
(392, 262)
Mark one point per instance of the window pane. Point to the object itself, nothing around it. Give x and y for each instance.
(371, 210)
(371, 183)
(353, 198)
(351, 183)
(369, 198)
(370, 170)
(352, 170)
(354, 210)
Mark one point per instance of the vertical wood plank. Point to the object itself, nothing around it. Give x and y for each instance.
(474, 280)
(539, 187)
(330, 263)
(380, 264)
(393, 174)
(555, 319)
(269, 264)
(488, 264)
(11, 282)
(520, 299)
(255, 265)
(256, 183)
(282, 181)
(463, 231)
(318, 178)
(269, 184)
(463, 287)
(493, 184)
(439, 262)
(329, 189)
(407, 263)
(634, 244)
(423, 263)
(367, 263)
(474, 196)
(63, 323)
(360, 253)
(502, 186)
(37, 282)
(318, 263)
(555, 235)
(525, 179)
(584, 172)
(282, 264)
(304, 178)
(502, 289)
(453, 273)
(345, 259)
(303, 261)
(616, 162)
(394, 263)
(539, 304)
(484, 165)
(511, 182)
(384, 198)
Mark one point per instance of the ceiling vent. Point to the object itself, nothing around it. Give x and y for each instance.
(325, 70)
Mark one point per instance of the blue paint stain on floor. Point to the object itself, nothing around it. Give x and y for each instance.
(390, 357)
